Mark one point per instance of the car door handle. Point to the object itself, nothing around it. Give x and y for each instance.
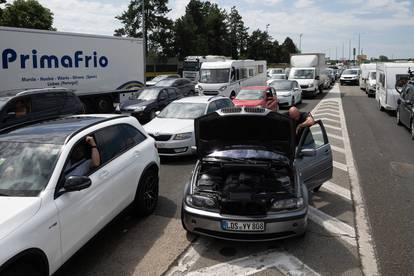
(103, 174)
(327, 151)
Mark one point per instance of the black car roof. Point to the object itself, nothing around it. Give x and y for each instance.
(55, 131)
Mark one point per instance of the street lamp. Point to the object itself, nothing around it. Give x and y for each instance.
(300, 43)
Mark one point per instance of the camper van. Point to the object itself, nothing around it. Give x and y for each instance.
(388, 76)
(192, 64)
(363, 77)
(227, 77)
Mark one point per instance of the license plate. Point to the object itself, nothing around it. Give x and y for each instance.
(160, 145)
(243, 226)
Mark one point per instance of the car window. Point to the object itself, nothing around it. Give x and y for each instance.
(223, 103)
(17, 110)
(47, 103)
(132, 135)
(212, 107)
(111, 142)
(171, 93)
(314, 137)
(410, 94)
(163, 94)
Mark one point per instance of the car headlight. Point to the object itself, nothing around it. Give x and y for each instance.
(200, 88)
(310, 85)
(292, 203)
(139, 108)
(199, 201)
(223, 88)
(183, 136)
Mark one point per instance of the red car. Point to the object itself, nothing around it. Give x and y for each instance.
(263, 96)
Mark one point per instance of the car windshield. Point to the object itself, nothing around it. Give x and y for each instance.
(350, 72)
(281, 85)
(277, 77)
(373, 75)
(250, 95)
(214, 75)
(190, 66)
(304, 74)
(177, 110)
(25, 168)
(165, 82)
(158, 78)
(148, 94)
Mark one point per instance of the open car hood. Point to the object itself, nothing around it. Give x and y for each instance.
(219, 131)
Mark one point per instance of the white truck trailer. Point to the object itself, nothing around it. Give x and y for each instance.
(192, 65)
(102, 70)
(309, 71)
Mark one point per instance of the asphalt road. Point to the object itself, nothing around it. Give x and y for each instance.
(384, 155)
(158, 244)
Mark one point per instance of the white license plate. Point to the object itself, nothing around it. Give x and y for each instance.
(160, 145)
(243, 226)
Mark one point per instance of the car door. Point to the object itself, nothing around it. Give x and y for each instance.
(406, 105)
(314, 156)
(162, 99)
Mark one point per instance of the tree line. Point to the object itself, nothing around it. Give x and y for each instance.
(204, 29)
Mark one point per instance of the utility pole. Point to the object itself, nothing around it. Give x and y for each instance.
(349, 56)
(300, 43)
(267, 28)
(343, 51)
(359, 44)
(144, 40)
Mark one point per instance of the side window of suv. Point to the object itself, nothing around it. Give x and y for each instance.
(212, 107)
(17, 110)
(111, 142)
(132, 135)
(47, 104)
(172, 93)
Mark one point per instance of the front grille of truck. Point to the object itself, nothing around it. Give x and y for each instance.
(303, 86)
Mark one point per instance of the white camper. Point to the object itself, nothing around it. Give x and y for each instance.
(101, 69)
(309, 71)
(192, 65)
(363, 77)
(388, 75)
(227, 77)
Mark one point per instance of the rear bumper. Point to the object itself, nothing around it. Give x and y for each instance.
(277, 226)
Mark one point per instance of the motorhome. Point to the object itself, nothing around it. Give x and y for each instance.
(192, 65)
(309, 71)
(363, 77)
(390, 75)
(227, 77)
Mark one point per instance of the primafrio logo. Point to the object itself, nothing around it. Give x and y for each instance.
(34, 60)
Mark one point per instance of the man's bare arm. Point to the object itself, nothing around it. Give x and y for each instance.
(95, 156)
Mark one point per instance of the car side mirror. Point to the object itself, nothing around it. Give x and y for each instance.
(307, 152)
(76, 183)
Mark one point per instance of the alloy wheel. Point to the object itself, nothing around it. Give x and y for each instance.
(150, 192)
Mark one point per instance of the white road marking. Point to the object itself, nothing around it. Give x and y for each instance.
(188, 258)
(324, 119)
(340, 166)
(336, 189)
(330, 135)
(333, 225)
(328, 108)
(332, 127)
(322, 114)
(338, 149)
(365, 242)
(282, 261)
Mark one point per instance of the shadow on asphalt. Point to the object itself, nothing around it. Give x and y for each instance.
(120, 246)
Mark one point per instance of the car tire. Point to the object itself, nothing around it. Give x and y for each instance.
(300, 101)
(23, 269)
(380, 106)
(316, 189)
(146, 197)
(104, 105)
(342, 83)
(398, 117)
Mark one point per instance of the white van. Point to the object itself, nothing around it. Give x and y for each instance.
(227, 77)
(363, 77)
(388, 74)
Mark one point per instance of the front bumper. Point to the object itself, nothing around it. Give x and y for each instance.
(277, 226)
(283, 101)
(175, 147)
(351, 81)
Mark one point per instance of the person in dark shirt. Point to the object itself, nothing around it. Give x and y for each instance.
(302, 119)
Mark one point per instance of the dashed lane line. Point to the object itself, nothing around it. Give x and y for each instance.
(338, 190)
(333, 225)
(340, 166)
(249, 265)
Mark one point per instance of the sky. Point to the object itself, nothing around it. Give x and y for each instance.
(386, 27)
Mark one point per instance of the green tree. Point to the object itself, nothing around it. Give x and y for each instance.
(288, 47)
(383, 58)
(238, 34)
(260, 45)
(158, 27)
(27, 14)
(1, 10)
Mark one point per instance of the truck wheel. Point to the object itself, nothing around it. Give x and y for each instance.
(104, 105)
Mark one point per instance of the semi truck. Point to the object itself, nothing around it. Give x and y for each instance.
(309, 71)
(102, 70)
(192, 65)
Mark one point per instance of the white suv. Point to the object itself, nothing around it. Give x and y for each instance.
(47, 210)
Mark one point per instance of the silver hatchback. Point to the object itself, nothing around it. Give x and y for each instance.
(251, 181)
